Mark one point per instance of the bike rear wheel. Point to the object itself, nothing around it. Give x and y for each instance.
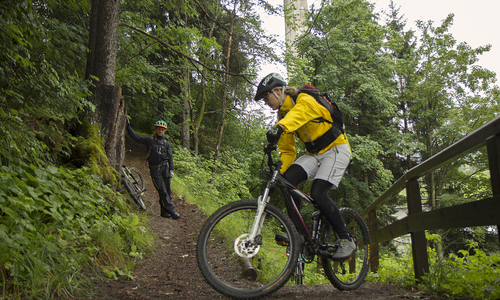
(348, 275)
(135, 185)
(137, 178)
(230, 264)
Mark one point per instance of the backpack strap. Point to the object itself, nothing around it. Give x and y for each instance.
(324, 100)
(337, 127)
(323, 141)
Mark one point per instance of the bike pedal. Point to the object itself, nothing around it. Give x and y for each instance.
(282, 239)
(324, 253)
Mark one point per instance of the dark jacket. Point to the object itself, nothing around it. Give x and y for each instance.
(159, 150)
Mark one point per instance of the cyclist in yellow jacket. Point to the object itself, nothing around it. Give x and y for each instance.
(328, 151)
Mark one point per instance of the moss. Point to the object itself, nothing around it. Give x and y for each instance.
(90, 152)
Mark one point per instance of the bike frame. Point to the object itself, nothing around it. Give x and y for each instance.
(128, 175)
(287, 189)
(264, 274)
(132, 183)
(131, 178)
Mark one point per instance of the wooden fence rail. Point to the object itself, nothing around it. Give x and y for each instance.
(483, 212)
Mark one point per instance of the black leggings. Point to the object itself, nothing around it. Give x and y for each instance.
(161, 181)
(295, 174)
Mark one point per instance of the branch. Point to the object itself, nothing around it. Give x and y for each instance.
(167, 45)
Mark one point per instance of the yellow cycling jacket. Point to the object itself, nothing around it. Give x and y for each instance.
(299, 119)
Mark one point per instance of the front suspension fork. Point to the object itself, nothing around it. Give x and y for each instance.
(261, 206)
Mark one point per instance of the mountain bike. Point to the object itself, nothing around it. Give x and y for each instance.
(135, 184)
(240, 255)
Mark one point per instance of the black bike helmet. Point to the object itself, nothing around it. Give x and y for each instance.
(268, 84)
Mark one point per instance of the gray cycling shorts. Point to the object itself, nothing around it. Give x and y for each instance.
(329, 166)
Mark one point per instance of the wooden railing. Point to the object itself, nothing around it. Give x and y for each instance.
(483, 212)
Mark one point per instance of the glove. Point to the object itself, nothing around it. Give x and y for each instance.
(171, 174)
(274, 134)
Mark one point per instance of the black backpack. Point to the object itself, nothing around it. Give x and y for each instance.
(324, 100)
(338, 120)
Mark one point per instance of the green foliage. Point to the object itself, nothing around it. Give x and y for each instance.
(395, 269)
(38, 52)
(367, 158)
(55, 223)
(467, 273)
(41, 82)
(315, 274)
(196, 181)
(464, 274)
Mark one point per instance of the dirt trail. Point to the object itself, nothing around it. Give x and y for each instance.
(171, 271)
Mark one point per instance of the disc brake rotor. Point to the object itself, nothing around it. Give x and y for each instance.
(245, 248)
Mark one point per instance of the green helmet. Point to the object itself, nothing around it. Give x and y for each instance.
(161, 124)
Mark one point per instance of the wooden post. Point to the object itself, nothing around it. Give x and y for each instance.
(493, 147)
(418, 241)
(374, 254)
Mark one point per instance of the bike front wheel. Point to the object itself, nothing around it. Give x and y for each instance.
(237, 267)
(135, 185)
(350, 274)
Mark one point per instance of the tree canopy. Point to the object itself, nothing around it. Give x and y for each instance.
(405, 95)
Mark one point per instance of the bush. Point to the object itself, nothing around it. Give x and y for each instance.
(460, 275)
(465, 275)
(196, 180)
(55, 224)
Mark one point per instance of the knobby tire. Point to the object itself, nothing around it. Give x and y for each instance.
(254, 277)
(135, 186)
(348, 275)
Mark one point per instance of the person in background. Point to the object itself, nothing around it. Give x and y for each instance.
(328, 151)
(161, 165)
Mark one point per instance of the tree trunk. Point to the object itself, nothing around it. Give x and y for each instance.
(109, 104)
(201, 112)
(295, 16)
(225, 92)
(432, 199)
(103, 41)
(200, 116)
(186, 109)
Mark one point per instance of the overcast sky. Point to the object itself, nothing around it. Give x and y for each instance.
(476, 22)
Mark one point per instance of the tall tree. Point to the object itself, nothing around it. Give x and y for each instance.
(342, 54)
(101, 63)
(401, 45)
(232, 18)
(446, 83)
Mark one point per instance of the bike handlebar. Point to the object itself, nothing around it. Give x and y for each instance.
(273, 165)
